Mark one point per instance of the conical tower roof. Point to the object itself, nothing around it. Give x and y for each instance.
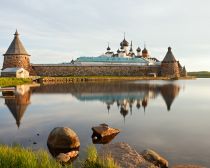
(16, 47)
(17, 105)
(169, 56)
(17, 110)
(169, 93)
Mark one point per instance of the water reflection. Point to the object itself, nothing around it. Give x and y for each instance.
(17, 101)
(126, 95)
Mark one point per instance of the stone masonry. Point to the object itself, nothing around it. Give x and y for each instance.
(62, 70)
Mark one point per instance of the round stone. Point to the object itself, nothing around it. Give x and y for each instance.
(63, 138)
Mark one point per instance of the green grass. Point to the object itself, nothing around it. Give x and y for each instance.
(19, 157)
(200, 74)
(94, 161)
(13, 81)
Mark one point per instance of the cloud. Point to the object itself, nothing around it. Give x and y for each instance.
(71, 28)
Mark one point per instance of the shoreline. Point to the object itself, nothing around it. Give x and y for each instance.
(75, 79)
(11, 81)
(125, 157)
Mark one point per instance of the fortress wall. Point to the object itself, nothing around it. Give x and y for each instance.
(67, 70)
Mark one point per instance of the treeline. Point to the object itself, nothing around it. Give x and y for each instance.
(200, 74)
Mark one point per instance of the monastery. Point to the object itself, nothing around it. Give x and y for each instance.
(125, 62)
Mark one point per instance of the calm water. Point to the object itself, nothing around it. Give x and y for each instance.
(171, 117)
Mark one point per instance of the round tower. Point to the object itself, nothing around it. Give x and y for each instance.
(16, 56)
(169, 65)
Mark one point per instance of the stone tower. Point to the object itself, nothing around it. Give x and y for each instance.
(16, 55)
(169, 65)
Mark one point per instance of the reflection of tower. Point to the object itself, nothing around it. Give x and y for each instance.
(124, 112)
(19, 103)
(169, 92)
(138, 104)
(124, 108)
(118, 104)
(131, 101)
(144, 103)
(108, 107)
(109, 103)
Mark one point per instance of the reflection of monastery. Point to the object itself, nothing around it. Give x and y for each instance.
(125, 62)
(125, 95)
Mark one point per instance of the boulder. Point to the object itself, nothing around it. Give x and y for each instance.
(104, 130)
(153, 157)
(125, 156)
(63, 138)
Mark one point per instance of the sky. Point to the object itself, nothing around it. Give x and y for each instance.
(55, 31)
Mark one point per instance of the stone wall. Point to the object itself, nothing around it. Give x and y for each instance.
(67, 70)
(21, 61)
(170, 69)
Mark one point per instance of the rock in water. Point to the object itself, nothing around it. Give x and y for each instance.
(63, 138)
(155, 158)
(104, 130)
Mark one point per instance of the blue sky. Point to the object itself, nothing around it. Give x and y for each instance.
(55, 31)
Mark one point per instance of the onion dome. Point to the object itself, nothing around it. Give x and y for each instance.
(118, 51)
(144, 103)
(124, 43)
(138, 49)
(16, 47)
(144, 51)
(169, 56)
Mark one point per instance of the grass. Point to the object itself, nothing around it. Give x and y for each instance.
(19, 157)
(200, 74)
(94, 161)
(13, 81)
